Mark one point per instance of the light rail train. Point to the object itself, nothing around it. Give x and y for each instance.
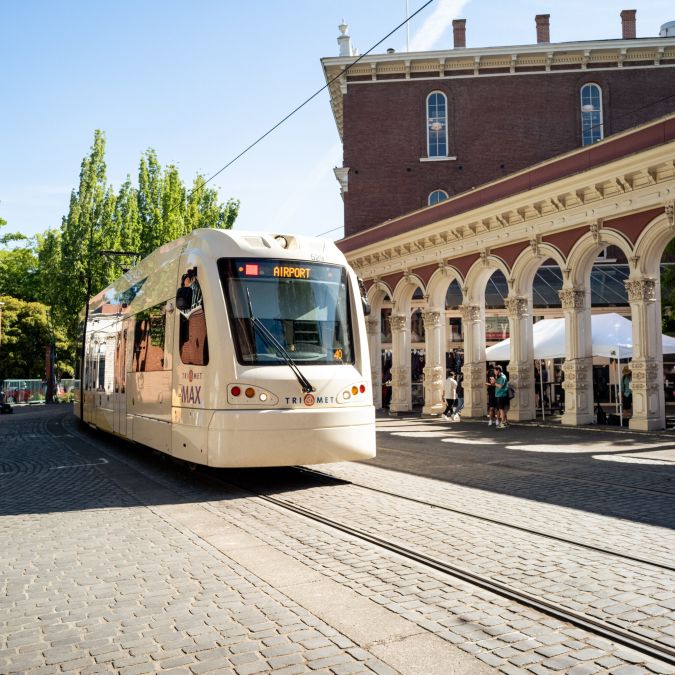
(233, 350)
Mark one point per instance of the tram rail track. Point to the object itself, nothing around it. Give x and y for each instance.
(598, 627)
(434, 504)
(643, 645)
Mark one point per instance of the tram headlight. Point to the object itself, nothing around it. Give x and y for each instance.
(263, 396)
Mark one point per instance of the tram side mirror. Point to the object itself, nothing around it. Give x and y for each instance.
(366, 307)
(184, 298)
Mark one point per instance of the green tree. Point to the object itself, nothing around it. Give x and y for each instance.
(83, 231)
(19, 273)
(26, 333)
(127, 217)
(204, 209)
(150, 202)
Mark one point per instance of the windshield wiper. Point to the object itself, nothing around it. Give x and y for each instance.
(274, 343)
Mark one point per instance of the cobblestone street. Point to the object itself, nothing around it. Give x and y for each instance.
(117, 559)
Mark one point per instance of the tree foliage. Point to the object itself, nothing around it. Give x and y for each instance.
(26, 333)
(53, 267)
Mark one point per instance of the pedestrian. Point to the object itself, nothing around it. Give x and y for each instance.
(492, 401)
(450, 393)
(626, 392)
(502, 397)
(460, 393)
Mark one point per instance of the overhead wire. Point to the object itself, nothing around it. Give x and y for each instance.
(310, 98)
(341, 74)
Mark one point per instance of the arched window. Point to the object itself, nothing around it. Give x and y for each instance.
(437, 124)
(437, 196)
(591, 114)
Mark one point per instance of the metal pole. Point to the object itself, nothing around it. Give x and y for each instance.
(86, 319)
(407, 28)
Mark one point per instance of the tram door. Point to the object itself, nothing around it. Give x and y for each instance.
(120, 404)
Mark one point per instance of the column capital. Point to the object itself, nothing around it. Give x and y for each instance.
(373, 326)
(641, 290)
(516, 306)
(398, 322)
(469, 312)
(431, 318)
(572, 298)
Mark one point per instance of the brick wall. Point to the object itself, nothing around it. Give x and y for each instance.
(497, 125)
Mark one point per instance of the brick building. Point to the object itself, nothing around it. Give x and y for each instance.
(476, 179)
(424, 126)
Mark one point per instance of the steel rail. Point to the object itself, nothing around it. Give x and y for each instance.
(651, 648)
(598, 627)
(493, 521)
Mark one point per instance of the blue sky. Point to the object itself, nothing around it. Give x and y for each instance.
(198, 81)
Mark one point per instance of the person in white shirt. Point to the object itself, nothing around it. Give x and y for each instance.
(450, 393)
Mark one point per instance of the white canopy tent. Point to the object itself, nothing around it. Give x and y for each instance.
(612, 336)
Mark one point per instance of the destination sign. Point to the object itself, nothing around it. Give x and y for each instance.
(285, 269)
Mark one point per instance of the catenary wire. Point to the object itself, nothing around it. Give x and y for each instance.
(307, 100)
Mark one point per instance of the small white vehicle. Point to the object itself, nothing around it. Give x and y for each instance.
(233, 350)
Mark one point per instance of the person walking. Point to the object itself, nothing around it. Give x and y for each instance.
(502, 397)
(460, 393)
(450, 393)
(492, 401)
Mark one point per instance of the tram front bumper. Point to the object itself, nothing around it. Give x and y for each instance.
(287, 437)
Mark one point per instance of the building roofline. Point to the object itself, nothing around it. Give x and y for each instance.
(530, 59)
(579, 160)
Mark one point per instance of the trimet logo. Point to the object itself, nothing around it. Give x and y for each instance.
(309, 400)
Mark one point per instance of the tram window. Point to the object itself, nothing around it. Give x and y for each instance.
(149, 334)
(193, 343)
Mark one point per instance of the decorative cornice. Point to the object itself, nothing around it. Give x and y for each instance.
(508, 61)
(670, 212)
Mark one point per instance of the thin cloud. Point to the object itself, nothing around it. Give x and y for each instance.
(436, 24)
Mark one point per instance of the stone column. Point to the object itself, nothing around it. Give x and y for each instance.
(375, 348)
(647, 365)
(401, 395)
(434, 370)
(521, 365)
(473, 370)
(578, 367)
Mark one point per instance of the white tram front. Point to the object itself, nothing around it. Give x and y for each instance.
(233, 350)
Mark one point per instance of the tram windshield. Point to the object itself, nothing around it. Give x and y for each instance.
(305, 306)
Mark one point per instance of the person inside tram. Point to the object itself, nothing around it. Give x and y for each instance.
(492, 401)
